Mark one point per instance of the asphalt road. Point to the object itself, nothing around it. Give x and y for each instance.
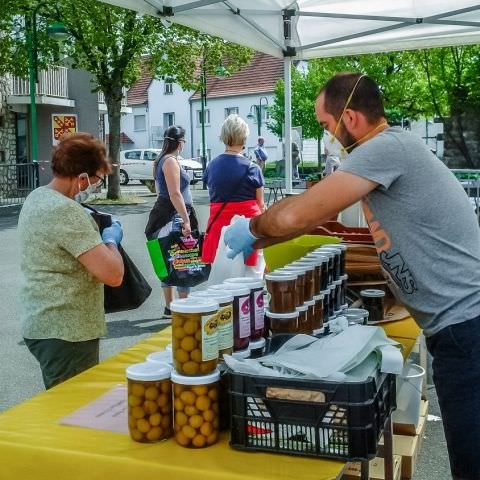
(20, 376)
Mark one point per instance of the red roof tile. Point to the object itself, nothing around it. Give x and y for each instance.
(259, 76)
(138, 92)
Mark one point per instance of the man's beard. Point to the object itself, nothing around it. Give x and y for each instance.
(345, 138)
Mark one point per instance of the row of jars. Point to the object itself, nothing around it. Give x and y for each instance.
(306, 293)
(162, 403)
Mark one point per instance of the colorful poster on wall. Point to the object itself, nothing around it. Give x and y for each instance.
(63, 124)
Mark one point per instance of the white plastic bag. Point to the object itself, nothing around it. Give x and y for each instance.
(224, 267)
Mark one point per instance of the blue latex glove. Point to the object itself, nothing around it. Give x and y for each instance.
(114, 233)
(239, 238)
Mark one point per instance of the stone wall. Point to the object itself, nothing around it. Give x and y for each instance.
(7, 128)
(453, 157)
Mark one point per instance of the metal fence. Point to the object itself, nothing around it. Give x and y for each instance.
(470, 181)
(17, 180)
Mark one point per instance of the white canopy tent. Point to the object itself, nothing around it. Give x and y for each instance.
(322, 28)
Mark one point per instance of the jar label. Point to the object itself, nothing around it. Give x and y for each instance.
(225, 327)
(244, 316)
(259, 310)
(209, 337)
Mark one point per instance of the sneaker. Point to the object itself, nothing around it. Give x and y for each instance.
(167, 313)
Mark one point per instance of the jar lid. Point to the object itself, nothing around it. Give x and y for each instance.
(248, 281)
(326, 253)
(310, 303)
(148, 371)
(242, 353)
(260, 343)
(344, 277)
(194, 305)
(342, 246)
(277, 276)
(198, 380)
(164, 357)
(218, 295)
(318, 297)
(307, 266)
(313, 260)
(235, 289)
(356, 311)
(292, 268)
(281, 316)
(317, 255)
(335, 251)
(302, 308)
(371, 292)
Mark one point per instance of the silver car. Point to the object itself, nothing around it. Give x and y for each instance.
(138, 165)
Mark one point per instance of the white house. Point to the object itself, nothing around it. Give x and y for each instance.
(157, 104)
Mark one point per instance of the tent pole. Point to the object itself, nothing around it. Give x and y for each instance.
(287, 64)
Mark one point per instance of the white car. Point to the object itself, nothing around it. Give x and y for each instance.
(138, 165)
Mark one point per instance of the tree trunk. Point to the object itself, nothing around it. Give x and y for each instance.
(462, 139)
(113, 99)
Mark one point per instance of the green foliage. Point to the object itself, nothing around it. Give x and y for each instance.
(397, 73)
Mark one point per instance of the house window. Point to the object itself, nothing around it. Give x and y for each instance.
(168, 88)
(139, 123)
(199, 117)
(168, 120)
(231, 111)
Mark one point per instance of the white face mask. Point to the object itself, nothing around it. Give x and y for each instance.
(82, 195)
(333, 146)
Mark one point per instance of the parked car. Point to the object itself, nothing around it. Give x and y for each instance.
(138, 165)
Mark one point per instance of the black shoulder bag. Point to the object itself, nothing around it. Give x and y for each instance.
(134, 289)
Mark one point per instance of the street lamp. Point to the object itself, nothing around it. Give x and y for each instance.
(256, 111)
(220, 72)
(56, 31)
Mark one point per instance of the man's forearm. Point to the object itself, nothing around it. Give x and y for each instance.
(282, 221)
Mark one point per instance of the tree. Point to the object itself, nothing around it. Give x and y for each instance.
(397, 74)
(109, 42)
(453, 82)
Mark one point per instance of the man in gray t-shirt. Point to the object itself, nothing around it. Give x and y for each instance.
(424, 230)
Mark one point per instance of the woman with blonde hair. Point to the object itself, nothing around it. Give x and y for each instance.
(235, 186)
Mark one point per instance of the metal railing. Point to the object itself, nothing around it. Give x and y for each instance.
(470, 180)
(17, 180)
(101, 97)
(52, 82)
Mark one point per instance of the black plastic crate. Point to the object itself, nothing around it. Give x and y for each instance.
(310, 417)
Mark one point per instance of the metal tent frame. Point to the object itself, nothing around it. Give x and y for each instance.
(283, 39)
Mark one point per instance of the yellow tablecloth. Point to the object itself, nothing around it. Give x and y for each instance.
(33, 446)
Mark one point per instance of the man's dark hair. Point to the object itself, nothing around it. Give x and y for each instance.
(366, 98)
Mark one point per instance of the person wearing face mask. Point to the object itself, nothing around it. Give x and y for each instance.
(174, 202)
(425, 232)
(235, 186)
(65, 262)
